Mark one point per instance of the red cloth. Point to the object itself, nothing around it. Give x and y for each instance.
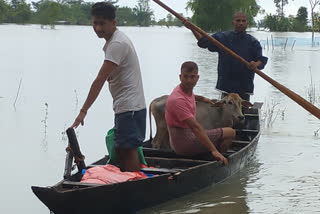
(179, 107)
(109, 174)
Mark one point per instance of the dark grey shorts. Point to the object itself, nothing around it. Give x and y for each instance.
(129, 129)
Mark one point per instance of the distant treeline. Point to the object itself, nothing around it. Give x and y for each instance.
(76, 12)
(210, 15)
(216, 15)
(298, 23)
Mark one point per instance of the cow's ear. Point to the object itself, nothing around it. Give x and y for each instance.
(218, 104)
(246, 104)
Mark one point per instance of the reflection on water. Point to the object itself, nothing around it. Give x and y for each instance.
(57, 67)
(284, 183)
(227, 197)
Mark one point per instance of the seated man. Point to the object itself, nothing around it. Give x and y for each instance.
(186, 135)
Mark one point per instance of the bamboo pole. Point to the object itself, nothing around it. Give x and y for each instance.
(285, 44)
(294, 42)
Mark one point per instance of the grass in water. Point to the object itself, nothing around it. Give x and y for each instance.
(270, 113)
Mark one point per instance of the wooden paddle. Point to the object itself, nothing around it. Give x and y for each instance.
(295, 97)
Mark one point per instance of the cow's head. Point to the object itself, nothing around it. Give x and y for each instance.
(232, 106)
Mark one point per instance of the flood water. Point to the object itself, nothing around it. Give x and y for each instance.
(45, 76)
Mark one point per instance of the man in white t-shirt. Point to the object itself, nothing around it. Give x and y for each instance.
(122, 71)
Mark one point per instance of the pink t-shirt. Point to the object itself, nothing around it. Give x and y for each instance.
(179, 107)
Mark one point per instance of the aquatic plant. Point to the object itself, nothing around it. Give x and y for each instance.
(64, 137)
(311, 91)
(44, 121)
(270, 113)
(14, 103)
(77, 100)
(316, 132)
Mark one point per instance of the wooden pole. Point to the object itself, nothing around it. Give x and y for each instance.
(293, 44)
(295, 97)
(285, 45)
(68, 164)
(75, 148)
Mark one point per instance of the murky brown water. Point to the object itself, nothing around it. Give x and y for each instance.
(56, 67)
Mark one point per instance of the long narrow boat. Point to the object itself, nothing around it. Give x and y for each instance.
(177, 176)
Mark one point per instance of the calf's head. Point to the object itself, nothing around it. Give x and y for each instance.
(232, 108)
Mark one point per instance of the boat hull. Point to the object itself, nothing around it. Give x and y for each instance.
(128, 197)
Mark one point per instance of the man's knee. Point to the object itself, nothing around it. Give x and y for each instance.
(229, 133)
(129, 159)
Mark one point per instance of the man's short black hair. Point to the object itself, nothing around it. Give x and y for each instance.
(239, 13)
(104, 9)
(189, 66)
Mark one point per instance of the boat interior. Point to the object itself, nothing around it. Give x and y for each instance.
(168, 162)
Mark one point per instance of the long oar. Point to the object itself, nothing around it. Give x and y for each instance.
(295, 97)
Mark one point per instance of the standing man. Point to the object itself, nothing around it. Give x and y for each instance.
(233, 76)
(122, 71)
(186, 135)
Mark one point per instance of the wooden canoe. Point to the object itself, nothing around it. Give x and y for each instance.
(177, 176)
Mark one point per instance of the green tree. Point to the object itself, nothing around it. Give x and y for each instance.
(278, 23)
(177, 22)
(125, 16)
(21, 12)
(316, 18)
(143, 13)
(313, 4)
(301, 20)
(15, 3)
(4, 11)
(280, 6)
(169, 18)
(76, 12)
(172, 21)
(48, 12)
(162, 22)
(217, 15)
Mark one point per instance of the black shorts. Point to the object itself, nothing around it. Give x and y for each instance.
(129, 129)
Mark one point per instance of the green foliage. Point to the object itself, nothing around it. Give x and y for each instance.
(174, 21)
(170, 21)
(301, 20)
(4, 11)
(48, 12)
(302, 15)
(216, 15)
(162, 22)
(20, 12)
(316, 17)
(277, 23)
(280, 6)
(143, 13)
(126, 16)
(76, 12)
(291, 23)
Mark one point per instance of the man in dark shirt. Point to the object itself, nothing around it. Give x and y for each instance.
(233, 76)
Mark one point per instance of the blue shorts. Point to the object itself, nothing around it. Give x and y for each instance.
(129, 129)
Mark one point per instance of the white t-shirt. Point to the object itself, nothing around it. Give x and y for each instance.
(125, 83)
